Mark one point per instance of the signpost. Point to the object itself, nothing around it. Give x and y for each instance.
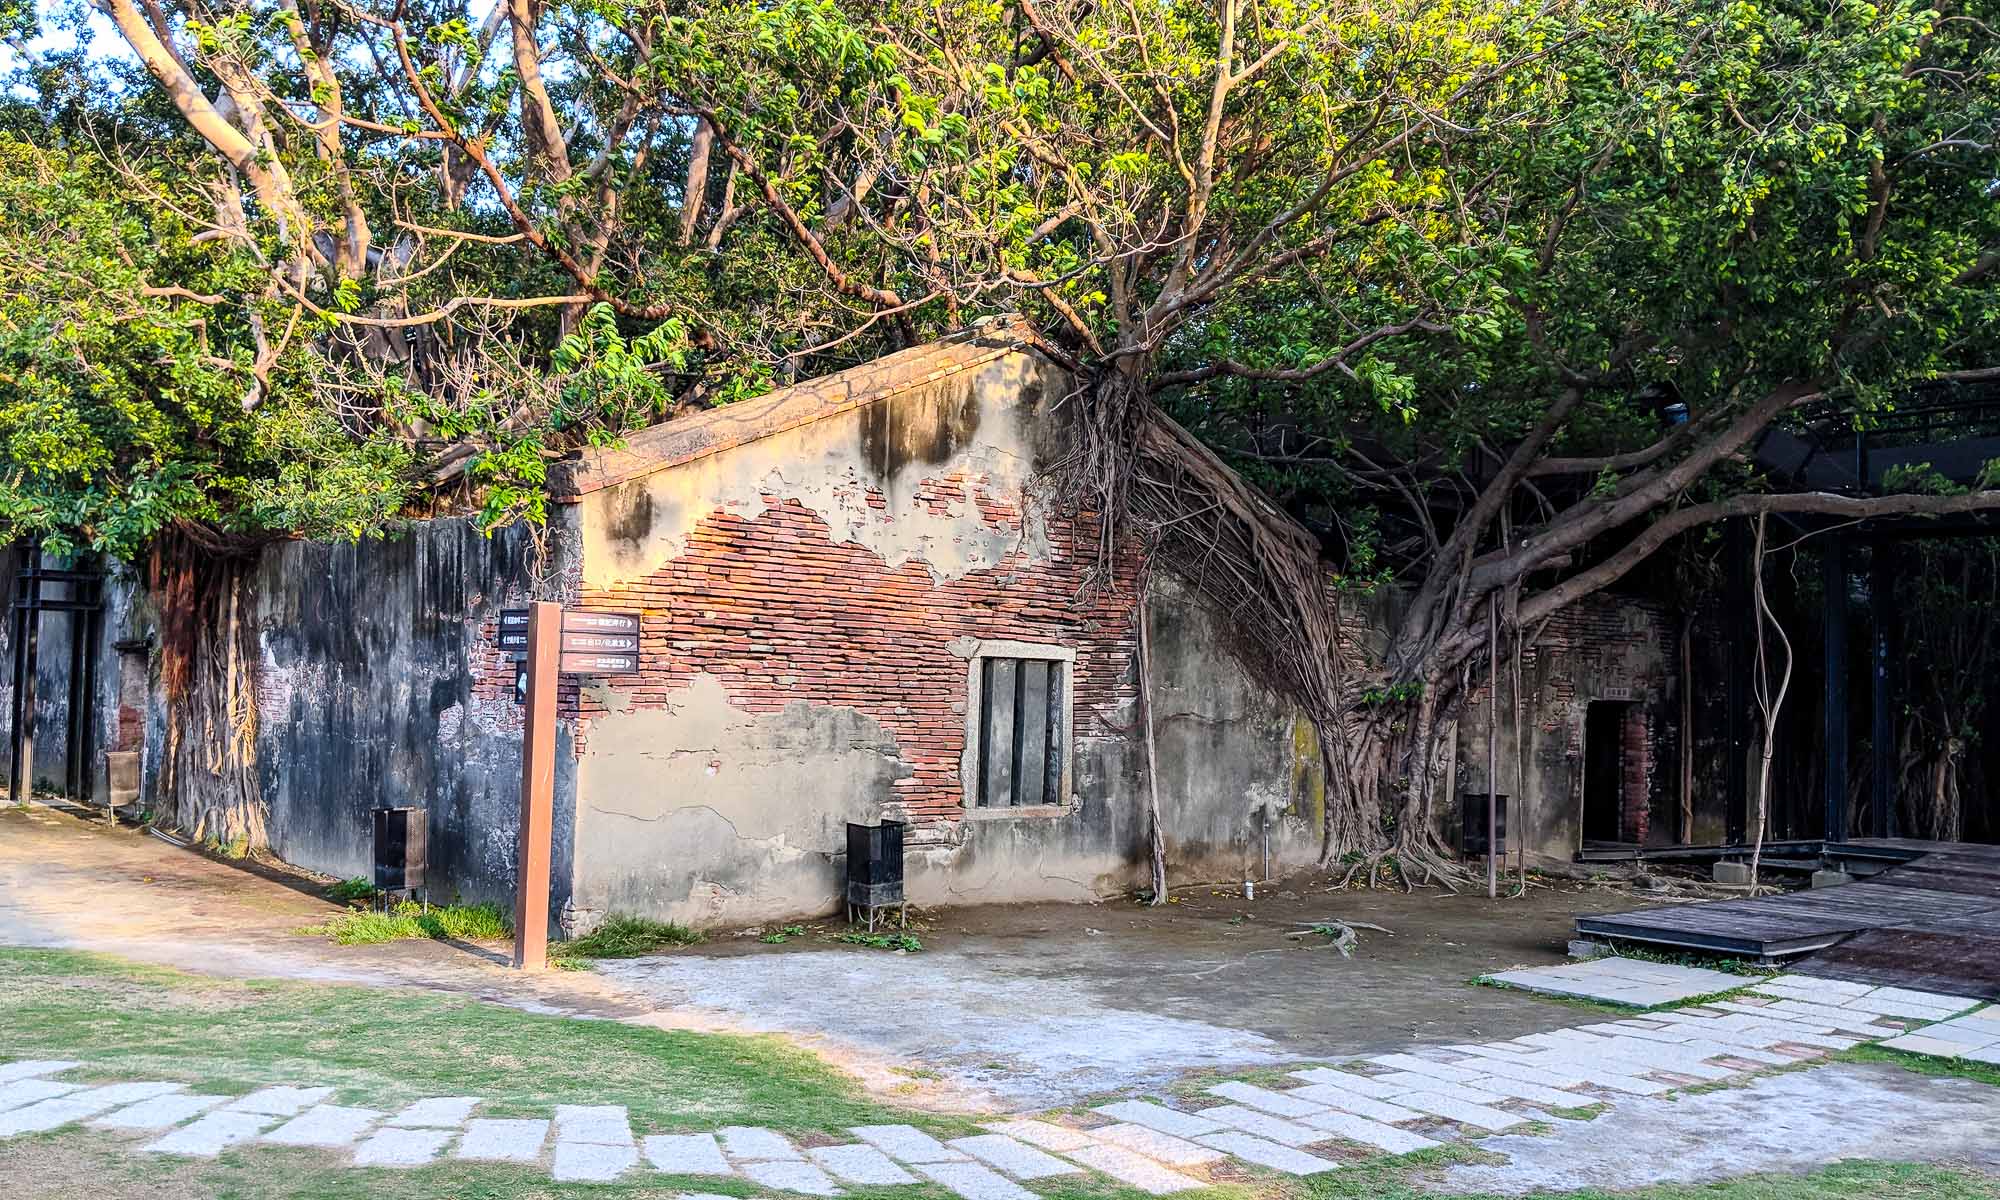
(552, 642)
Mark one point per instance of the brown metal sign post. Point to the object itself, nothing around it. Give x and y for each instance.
(538, 787)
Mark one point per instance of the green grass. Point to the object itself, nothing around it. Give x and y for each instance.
(623, 937)
(382, 1047)
(451, 923)
(1923, 1064)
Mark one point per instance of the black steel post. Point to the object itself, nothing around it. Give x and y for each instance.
(1734, 616)
(1882, 700)
(1833, 563)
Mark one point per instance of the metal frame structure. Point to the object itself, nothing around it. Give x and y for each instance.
(86, 602)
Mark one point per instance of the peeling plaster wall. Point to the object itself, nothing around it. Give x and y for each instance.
(1240, 770)
(379, 685)
(808, 600)
(1606, 647)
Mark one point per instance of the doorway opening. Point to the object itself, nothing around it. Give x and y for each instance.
(1614, 782)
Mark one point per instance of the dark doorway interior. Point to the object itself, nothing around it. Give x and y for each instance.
(1604, 731)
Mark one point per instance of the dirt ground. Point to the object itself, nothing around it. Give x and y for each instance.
(1020, 1006)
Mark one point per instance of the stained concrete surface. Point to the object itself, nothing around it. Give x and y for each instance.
(1012, 1006)
(1795, 1121)
(1047, 1004)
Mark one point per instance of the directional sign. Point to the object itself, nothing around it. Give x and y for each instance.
(514, 630)
(590, 620)
(583, 662)
(601, 643)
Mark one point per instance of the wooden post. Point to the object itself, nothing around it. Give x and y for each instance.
(538, 786)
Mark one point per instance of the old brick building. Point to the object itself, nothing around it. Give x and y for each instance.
(854, 606)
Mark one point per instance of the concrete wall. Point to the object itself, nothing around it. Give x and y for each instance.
(379, 685)
(809, 603)
(1605, 647)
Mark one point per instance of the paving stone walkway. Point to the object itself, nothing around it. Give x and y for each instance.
(1637, 983)
(1322, 1117)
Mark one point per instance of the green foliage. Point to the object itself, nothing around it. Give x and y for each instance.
(407, 919)
(783, 934)
(126, 382)
(906, 943)
(347, 891)
(623, 936)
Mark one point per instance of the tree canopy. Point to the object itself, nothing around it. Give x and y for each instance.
(1427, 272)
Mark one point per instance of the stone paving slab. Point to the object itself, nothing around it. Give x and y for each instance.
(1531, 1093)
(1370, 1133)
(402, 1147)
(1479, 1115)
(1135, 1170)
(1574, 1064)
(1160, 1117)
(1142, 1139)
(442, 1112)
(594, 1124)
(28, 1068)
(752, 1144)
(1917, 1043)
(212, 1134)
(591, 1162)
(1045, 1134)
(33, 1091)
(1413, 1064)
(791, 1175)
(489, 1139)
(44, 1115)
(907, 1143)
(860, 1164)
(687, 1154)
(1268, 1154)
(325, 1125)
(1355, 1104)
(1281, 1104)
(1018, 1159)
(281, 1101)
(1264, 1125)
(1629, 982)
(1430, 1085)
(1543, 1072)
(971, 1181)
(1351, 1081)
(161, 1112)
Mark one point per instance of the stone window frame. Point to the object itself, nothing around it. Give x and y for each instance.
(968, 760)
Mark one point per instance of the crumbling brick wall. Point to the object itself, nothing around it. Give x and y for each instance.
(1604, 648)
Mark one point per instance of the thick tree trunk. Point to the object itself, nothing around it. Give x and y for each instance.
(209, 788)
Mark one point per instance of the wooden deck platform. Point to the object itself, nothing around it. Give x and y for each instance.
(1931, 921)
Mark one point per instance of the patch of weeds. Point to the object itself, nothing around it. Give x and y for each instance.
(1582, 1112)
(783, 934)
(457, 922)
(905, 942)
(1922, 1064)
(623, 937)
(350, 891)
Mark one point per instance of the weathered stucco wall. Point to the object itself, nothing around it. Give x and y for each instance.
(810, 600)
(380, 685)
(1242, 783)
(1604, 648)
